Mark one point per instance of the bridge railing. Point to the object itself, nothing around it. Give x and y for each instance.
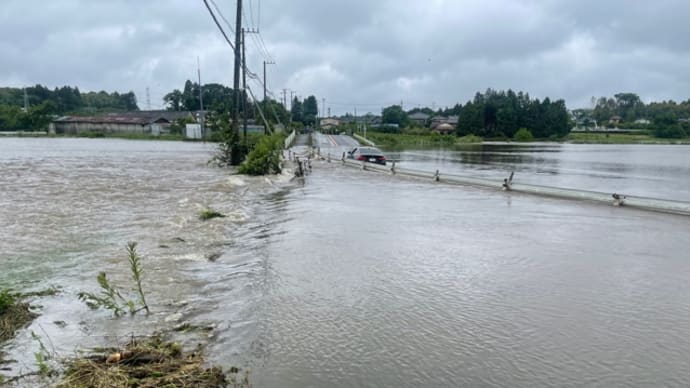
(364, 140)
(290, 139)
(631, 201)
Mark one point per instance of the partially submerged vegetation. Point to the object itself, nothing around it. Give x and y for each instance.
(148, 362)
(110, 297)
(151, 362)
(209, 213)
(265, 158)
(14, 314)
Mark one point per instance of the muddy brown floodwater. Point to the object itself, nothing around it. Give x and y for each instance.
(349, 278)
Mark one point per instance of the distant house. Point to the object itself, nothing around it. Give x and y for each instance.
(141, 122)
(615, 120)
(329, 123)
(437, 121)
(444, 129)
(419, 118)
(642, 121)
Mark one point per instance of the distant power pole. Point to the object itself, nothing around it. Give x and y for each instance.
(244, 87)
(356, 125)
(201, 99)
(329, 112)
(26, 101)
(245, 95)
(236, 75)
(265, 97)
(148, 99)
(323, 107)
(285, 99)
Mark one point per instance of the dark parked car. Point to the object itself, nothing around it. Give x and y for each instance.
(367, 154)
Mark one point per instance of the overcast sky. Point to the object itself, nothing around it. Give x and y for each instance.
(364, 53)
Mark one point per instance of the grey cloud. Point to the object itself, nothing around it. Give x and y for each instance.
(359, 52)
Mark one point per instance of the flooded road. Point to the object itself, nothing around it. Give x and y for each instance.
(348, 278)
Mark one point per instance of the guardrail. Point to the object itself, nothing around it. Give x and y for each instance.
(642, 203)
(363, 140)
(290, 139)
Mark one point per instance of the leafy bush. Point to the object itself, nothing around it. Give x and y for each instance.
(523, 134)
(264, 159)
(6, 300)
(470, 139)
(674, 131)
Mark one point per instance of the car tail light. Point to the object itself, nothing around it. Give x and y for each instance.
(361, 157)
(383, 158)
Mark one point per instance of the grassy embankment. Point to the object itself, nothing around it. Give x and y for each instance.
(620, 138)
(393, 141)
(389, 140)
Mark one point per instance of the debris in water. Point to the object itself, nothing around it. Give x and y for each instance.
(149, 363)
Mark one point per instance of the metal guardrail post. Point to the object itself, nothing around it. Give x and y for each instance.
(437, 176)
(393, 168)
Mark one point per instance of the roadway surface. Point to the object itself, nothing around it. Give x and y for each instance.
(333, 145)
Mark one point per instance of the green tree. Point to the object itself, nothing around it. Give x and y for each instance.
(523, 134)
(296, 110)
(173, 100)
(394, 114)
(310, 109)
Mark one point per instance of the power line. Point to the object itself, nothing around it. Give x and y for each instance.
(251, 13)
(232, 30)
(254, 31)
(218, 24)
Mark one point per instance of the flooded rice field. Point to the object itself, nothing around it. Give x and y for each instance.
(349, 278)
(655, 171)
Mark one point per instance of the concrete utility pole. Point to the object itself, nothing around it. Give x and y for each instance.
(244, 88)
(26, 101)
(201, 100)
(245, 95)
(236, 75)
(265, 97)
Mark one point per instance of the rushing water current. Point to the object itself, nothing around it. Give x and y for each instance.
(348, 278)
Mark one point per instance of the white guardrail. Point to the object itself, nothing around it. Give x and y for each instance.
(364, 140)
(290, 139)
(650, 204)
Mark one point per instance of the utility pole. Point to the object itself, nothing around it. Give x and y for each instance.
(26, 101)
(265, 98)
(245, 95)
(323, 107)
(148, 98)
(244, 87)
(285, 98)
(236, 75)
(356, 124)
(201, 100)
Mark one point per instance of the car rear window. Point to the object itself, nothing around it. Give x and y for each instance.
(370, 151)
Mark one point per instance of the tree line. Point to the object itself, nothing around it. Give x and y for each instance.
(627, 110)
(45, 104)
(220, 99)
(496, 114)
